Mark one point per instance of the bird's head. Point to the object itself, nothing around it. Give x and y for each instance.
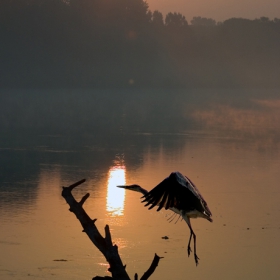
(134, 187)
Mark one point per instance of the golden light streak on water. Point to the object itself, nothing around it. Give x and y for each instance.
(115, 196)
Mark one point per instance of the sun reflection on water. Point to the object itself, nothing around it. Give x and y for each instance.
(115, 196)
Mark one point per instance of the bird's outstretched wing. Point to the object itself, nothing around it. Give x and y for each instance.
(176, 191)
(198, 194)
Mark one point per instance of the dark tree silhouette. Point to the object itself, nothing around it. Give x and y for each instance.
(201, 21)
(121, 43)
(175, 20)
(157, 19)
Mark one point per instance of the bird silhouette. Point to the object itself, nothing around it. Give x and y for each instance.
(178, 194)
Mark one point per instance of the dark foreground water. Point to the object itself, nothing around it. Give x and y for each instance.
(228, 145)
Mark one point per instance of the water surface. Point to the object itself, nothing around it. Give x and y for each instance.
(229, 147)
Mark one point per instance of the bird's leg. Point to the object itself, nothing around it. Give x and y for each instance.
(189, 244)
(196, 258)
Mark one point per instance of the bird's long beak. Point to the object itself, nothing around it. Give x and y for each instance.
(129, 187)
(123, 187)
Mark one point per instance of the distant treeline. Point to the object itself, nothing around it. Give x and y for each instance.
(121, 43)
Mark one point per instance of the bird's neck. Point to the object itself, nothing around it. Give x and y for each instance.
(143, 191)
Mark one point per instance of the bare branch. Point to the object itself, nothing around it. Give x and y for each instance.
(84, 198)
(108, 236)
(152, 268)
(105, 245)
(76, 184)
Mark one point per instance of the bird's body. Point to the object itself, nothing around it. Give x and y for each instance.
(178, 194)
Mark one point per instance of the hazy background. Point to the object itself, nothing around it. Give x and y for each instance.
(218, 9)
(125, 44)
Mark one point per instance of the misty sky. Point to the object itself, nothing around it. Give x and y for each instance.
(219, 9)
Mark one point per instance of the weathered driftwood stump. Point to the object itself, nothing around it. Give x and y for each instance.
(104, 244)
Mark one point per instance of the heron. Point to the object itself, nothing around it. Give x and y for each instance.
(178, 194)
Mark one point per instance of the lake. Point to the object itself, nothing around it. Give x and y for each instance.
(225, 141)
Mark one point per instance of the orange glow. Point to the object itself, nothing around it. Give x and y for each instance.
(115, 196)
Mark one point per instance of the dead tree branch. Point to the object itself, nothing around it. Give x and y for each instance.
(104, 244)
(152, 268)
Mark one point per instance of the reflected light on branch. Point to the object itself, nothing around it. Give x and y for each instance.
(115, 196)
